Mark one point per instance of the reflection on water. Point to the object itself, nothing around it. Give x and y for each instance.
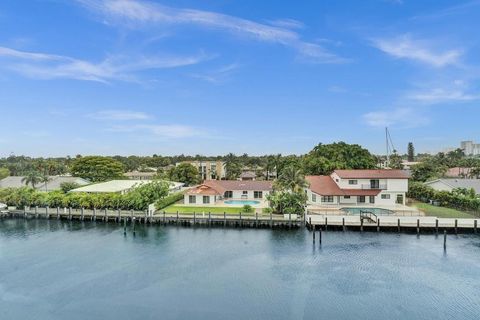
(86, 270)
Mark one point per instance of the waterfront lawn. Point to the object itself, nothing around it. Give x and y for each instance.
(198, 209)
(441, 212)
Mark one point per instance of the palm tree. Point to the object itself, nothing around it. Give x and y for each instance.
(232, 167)
(292, 179)
(45, 179)
(33, 178)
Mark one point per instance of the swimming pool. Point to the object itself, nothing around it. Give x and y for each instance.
(242, 202)
(376, 211)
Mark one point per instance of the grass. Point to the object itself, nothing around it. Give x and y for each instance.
(441, 212)
(198, 209)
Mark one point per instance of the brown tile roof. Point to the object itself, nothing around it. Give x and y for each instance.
(219, 187)
(325, 186)
(372, 174)
(458, 172)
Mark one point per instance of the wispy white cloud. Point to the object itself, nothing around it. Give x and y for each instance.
(218, 75)
(51, 66)
(400, 117)
(405, 47)
(142, 13)
(441, 95)
(162, 130)
(119, 115)
(287, 23)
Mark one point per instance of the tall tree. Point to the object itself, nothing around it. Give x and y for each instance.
(32, 178)
(4, 172)
(411, 152)
(233, 168)
(291, 179)
(185, 173)
(96, 169)
(325, 158)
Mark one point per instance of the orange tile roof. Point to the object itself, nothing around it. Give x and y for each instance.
(372, 174)
(325, 186)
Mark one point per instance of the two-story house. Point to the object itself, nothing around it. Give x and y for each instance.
(208, 169)
(358, 187)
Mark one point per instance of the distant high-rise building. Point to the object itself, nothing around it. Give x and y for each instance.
(470, 148)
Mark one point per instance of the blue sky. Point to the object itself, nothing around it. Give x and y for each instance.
(217, 76)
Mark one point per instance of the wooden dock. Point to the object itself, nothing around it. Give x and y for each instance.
(391, 223)
(250, 220)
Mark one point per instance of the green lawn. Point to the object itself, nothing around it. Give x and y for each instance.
(441, 212)
(190, 209)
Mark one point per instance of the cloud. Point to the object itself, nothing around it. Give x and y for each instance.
(404, 47)
(402, 117)
(49, 66)
(440, 95)
(162, 130)
(219, 75)
(142, 13)
(119, 115)
(287, 23)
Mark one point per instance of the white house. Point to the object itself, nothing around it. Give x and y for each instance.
(450, 184)
(358, 187)
(211, 191)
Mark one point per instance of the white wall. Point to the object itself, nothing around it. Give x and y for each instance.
(237, 194)
(199, 200)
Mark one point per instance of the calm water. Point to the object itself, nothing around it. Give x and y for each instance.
(63, 270)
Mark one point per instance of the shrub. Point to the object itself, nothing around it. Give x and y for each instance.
(248, 209)
(168, 200)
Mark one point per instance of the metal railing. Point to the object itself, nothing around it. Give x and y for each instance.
(374, 186)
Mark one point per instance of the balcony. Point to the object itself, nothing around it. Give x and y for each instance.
(374, 187)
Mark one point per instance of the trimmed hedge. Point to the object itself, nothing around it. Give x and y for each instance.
(168, 200)
(454, 200)
(137, 199)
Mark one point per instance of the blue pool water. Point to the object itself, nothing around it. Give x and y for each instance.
(74, 270)
(376, 211)
(242, 202)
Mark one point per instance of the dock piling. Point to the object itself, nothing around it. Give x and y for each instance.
(418, 226)
(343, 224)
(444, 239)
(320, 236)
(361, 224)
(81, 213)
(456, 226)
(475, 226)
(398, 225)
(314, 236)
(326, 224)
(378, 225)
(436, 226)
(125, 226)
(133, 223)
(256, 219)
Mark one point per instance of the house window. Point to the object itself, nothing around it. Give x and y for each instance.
(258, 194)
(361, 199)
(346, 197)
(385, 196)
(352, 181)
(206, 199)
(228, 194)
(192, 199)
(372, 199)
(375, 184)
(314, 197)
(327, 199)
(245, 193)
